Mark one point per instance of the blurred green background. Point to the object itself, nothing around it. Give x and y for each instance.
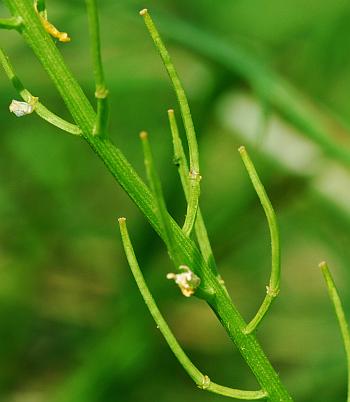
(73, 325)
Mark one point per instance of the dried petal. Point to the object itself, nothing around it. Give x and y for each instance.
(187, 281)
(20, 108)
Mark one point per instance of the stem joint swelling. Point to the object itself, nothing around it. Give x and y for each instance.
(193, 175)
(205, 384)
(270, 291)
(101, 92)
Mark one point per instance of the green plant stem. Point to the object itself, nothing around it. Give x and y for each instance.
(181, 163)
(273, 288)
(156, 188)
(194, 175)
(39, 108)
(101, 91)
(192, 204)
(200, 379)
(11, 23)
(339, 311)
(84, 116)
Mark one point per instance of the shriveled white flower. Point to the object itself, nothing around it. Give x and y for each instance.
(187, 281)
(20, 108)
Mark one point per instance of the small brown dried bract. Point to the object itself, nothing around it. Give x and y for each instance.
(50, 28)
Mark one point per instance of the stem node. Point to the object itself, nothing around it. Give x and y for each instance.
(205, 384)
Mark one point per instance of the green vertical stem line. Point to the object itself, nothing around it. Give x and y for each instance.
(200, 379)
(180, 159)
(273, 288)
(156, 188)
(192, 202)
(83, 114)
(11, 23)
(101, 91)
(181, 163)
(179, 90)
(194, 175)
(339, 311)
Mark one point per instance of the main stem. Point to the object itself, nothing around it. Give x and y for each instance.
(84, 116)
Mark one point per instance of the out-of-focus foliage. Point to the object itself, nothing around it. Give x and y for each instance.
(73, 325)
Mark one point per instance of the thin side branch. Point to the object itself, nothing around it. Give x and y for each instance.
(273, 288)
(202, 381)
(194, 175)
(156, 188)
(339, 311)
(11, 23)
(38, 107)
(182, 165)
(101, 91)
(192, 202)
